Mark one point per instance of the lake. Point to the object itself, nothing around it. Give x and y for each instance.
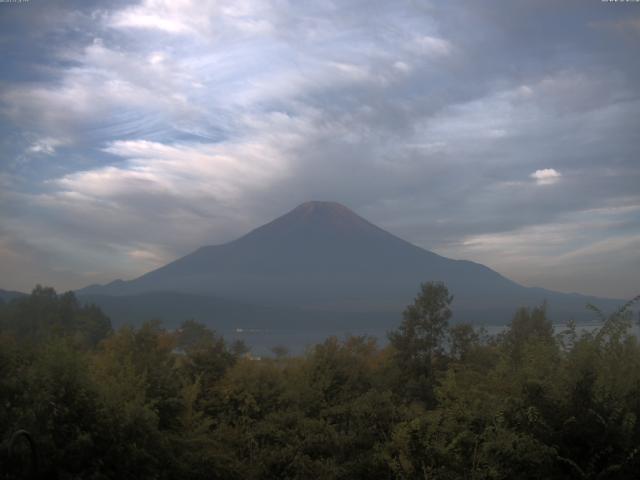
(298, 341)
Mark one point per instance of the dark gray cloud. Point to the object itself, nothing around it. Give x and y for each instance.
(134, 133)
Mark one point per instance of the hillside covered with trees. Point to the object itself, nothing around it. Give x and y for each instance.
(440, 401)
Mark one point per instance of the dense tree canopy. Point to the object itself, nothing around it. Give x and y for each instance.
(419, 340)
(439, 401)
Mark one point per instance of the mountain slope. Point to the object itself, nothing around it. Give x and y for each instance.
(8, 295)
(227, 315)
(323, 256)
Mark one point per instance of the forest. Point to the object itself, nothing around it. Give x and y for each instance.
(440, 400)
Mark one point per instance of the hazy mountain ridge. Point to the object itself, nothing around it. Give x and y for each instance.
(321, 256)
(8, 295)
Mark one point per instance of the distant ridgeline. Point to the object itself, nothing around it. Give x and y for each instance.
(318, 267)
(8, 295)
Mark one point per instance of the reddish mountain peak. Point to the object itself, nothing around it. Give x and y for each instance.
(316, 222)
(316, 206)
(325, 209)
(328, 214)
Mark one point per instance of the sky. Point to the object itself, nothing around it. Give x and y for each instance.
(504, 132)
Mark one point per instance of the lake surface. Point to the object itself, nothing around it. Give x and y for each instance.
(298, 341)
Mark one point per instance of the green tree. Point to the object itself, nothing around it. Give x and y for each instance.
(419, 339)
(193, 336)
(463, 339)
(528, 326)
(45, 314)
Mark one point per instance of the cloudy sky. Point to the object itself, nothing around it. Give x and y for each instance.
(506, 132)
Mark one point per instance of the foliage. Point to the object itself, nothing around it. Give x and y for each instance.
(418, 342)
(44, 314)
(440, 401)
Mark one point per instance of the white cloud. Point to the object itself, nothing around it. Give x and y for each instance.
(402, 67)
(167, 16)
(149, 255)
(156, 58)
(208, 172)
(136, 19)
(104, 82)
(185, 185)
(205, 19)
(546, 176)
(433, 46)
(45, 145)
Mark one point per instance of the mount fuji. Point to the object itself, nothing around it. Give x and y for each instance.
(321, 263)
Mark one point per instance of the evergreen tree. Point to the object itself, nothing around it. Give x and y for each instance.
(419, 339)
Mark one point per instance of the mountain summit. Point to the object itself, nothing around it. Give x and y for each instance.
(317, 222)
(333, 211)
(323, 256)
